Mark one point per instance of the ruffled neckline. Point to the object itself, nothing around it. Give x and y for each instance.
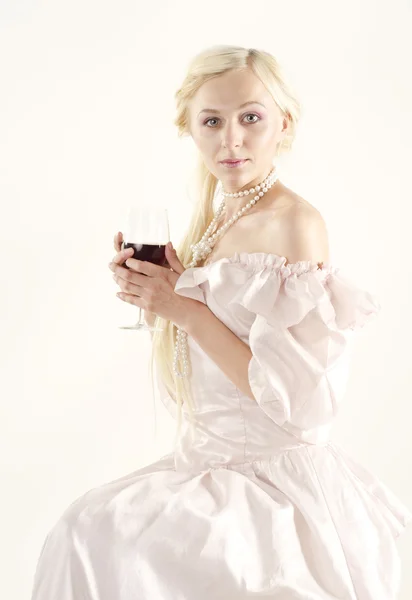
(259, 260)
(264, 283)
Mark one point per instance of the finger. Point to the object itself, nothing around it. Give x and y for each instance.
(127, 282)
(117, 241)
(132, 300)
(136, 282)
(121, 256)
(146, 268)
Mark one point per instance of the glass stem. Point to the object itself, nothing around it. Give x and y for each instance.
(141, 319)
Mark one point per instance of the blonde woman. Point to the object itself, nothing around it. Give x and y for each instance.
(255, 501)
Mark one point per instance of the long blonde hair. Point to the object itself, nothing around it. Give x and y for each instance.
(209, 63)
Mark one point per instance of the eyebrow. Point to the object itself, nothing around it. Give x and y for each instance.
(241, 106)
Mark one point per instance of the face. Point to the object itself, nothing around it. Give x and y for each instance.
(222, 128)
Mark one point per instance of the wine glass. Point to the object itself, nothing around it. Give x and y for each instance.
(147, 232)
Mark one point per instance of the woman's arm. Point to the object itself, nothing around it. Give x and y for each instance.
(308, 237)
(212, 336)
(149, 317)
(230, 354)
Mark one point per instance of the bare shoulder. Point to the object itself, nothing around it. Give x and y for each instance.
(300, 229)
(307, 235)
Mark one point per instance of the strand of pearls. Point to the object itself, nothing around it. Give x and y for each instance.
(204, 247)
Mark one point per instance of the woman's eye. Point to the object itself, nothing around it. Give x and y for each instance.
(248, 115)
(206, 122)
(253, 115)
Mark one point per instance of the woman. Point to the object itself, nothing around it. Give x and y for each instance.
(255, 501)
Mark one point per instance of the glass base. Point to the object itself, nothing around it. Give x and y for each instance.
(141, 326)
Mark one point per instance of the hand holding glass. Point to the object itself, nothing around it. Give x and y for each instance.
(147, 232)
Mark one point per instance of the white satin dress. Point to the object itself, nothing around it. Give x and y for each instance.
(263, 505)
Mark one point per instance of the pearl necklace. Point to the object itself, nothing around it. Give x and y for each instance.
(204, 247)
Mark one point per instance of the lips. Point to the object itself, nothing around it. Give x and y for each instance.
(233, 161)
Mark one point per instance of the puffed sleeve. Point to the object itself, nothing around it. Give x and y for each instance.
(299, 340)
(301, 321)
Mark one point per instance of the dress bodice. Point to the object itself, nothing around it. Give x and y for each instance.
(298, 321)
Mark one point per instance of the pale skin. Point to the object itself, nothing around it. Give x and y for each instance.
(281, 222)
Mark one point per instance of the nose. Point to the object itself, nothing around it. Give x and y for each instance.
(232, 135)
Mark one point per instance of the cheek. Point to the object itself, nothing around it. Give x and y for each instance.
(265, 138)
(205, 142)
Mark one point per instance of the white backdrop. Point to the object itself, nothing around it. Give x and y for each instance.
(86, 111)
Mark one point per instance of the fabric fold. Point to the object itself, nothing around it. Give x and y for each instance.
(260, 504)
(392, 510)
(304, 316)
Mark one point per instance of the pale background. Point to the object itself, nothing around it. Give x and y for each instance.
(86, 111)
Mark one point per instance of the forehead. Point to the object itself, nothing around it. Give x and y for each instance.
(230, 90)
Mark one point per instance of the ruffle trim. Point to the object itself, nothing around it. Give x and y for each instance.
(264, 284)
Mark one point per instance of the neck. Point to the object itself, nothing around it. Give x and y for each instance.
(233, 205)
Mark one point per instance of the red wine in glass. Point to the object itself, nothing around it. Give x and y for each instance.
(147, 232)
(154, 253)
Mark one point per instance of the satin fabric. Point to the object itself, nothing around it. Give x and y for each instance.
(261, 503)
